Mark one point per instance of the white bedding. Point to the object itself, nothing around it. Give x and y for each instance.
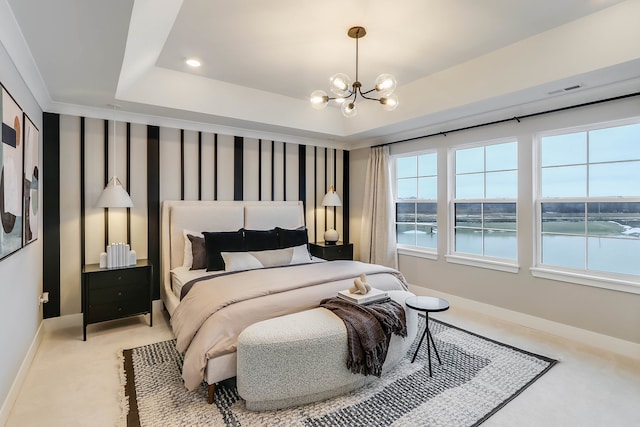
(180, 276)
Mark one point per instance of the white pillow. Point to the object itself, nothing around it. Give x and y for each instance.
(188, 252)
(237, 261)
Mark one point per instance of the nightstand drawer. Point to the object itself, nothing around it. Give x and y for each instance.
(343, 251)
(105, 294)
(117, 277)
(102, 312)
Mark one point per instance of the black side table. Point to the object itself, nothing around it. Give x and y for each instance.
(109, 294)
(338, 251)
(427, 305)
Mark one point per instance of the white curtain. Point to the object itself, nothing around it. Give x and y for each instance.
(378, 241)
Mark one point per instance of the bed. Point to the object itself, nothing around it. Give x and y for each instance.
(209, 309)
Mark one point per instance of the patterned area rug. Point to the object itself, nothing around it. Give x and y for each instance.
(478, 376)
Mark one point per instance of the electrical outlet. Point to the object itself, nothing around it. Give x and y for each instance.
(44, 298)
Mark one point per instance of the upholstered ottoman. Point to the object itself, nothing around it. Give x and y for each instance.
(301, 358)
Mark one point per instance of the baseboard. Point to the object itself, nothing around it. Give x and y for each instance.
(583, 336)
(7, 405)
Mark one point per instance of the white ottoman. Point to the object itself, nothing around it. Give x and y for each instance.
(302, 358)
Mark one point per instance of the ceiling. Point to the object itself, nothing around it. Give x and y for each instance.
(454, 60)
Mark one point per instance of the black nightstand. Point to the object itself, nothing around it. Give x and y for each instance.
(113, 293)
(332, 252)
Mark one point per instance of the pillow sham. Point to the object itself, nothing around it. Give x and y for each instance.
(221, 241)
(238, 261)
(198, 252)
(290, 238)
(187, 258)
(260, 240)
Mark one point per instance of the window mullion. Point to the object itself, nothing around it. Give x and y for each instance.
(588, 168)
(415, 219)
(586, 234)
(482, 225)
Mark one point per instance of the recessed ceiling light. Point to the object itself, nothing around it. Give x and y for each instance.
(192, 62)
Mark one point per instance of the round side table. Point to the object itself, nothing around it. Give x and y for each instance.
(427, 305)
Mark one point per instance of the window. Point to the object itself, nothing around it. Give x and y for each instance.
(485, 201)
(589, 197)
(416, 194)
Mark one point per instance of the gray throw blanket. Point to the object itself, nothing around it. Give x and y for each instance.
(369, 329)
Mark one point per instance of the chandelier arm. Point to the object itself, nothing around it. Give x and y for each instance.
(364, 94)
(368, 97)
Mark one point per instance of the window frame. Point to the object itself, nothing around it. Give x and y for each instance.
(475, 260)
(402, 248)
(594, 278)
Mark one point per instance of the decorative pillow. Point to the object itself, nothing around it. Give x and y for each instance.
(291, 238)
(260, 240)
(222, 241)
(198, 251)
(237, 261)
(188, 252)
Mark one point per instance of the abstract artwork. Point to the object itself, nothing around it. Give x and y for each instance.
(31, 181)
(10, 176)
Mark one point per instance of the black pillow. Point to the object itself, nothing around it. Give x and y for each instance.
(222, 241)
(261, 240)
(292, 238)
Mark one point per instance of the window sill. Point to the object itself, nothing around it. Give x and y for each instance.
(613, 284)
(484, 263)
(418, 253)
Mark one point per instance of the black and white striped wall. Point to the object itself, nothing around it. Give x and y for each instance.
(159, 163)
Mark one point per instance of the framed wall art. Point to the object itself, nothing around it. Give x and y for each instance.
(31, 182)
(10, 176)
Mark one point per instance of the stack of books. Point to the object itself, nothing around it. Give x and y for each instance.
(374, 295)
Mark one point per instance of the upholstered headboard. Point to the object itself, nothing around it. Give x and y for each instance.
(199, 216)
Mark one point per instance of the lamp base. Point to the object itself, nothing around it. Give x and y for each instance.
(331, 236)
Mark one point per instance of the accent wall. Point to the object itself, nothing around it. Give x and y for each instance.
(160, 163)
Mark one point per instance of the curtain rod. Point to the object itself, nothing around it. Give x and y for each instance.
(516, 118)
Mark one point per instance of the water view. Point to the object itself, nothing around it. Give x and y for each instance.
(601, 237)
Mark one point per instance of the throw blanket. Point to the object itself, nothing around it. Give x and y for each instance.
(369, 329)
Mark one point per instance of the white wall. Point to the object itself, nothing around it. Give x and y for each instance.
(21, 272)
(613, 313)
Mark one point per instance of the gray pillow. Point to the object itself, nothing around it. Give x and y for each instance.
(199, 252)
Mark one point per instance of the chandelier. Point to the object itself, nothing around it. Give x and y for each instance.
(347, 92)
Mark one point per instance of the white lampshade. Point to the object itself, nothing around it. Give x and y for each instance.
(331, 198)
(114, 196)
